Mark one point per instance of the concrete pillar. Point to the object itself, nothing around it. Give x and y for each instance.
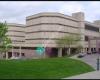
(69, 51)
(60, 52)
(89, 46)
(6, 55)
(1, 55)
(85, 50)
(97, 47)
(20, 51)
(44, 54)
(12, 52)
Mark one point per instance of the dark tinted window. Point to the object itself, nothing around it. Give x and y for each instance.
(16, 47)
(22, 54)
(92, 28)
(31, 48)
(86, 38)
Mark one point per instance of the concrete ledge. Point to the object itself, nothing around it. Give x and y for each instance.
(89, 75)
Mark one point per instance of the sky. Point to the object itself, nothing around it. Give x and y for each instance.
(17, 11)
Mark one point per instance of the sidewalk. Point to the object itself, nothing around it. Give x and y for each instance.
(89, 75)
(89, 59)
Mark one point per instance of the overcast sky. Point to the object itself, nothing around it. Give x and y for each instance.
(16, 12)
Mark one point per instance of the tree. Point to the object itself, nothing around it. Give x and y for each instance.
(79, 48)
(67, 41)
(5, 41)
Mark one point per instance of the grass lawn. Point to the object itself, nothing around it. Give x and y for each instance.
(42, 68)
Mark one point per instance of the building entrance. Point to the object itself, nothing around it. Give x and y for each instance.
(93, 45)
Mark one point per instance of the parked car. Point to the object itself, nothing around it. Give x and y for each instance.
(81, 55)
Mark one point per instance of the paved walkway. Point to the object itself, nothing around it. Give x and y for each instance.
(92, 61)
(89, 59)
(89, 75)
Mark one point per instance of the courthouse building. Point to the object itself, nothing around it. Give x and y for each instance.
(44, 28)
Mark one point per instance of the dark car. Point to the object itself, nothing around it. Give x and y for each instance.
(81, 55)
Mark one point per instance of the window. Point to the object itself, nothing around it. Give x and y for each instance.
(86, 38)
(23, 54)
(31, 48)
(92, 28)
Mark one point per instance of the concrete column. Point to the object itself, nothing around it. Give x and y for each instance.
(12, 52)
(20, 51)
(1, 55)
(89, 46)
(85, 50)
(6, 55)
(93, 50)
(97, 47)
(69, 51)
(60, 52)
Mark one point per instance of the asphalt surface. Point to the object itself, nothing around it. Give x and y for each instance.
(89, 75)
(90, 60)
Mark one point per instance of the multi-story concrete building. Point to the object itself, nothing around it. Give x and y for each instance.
(45, 28)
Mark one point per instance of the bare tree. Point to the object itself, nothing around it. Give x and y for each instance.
(67, 41)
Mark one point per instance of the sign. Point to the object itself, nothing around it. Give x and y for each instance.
(40, 49)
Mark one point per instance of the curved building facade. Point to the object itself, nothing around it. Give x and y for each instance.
(44, 28)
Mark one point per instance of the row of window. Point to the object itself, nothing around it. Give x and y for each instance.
(87, 38)
(92, 28)
(31, 48)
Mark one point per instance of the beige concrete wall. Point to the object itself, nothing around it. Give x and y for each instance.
(56, 22)
(51, 27)
(16, 32)
(45, 35)
(92, 43)
(17, 38)
(92, 33)
(28, 53)
(52, 20)
(15, 28)
(51, 14)
(74, 24)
